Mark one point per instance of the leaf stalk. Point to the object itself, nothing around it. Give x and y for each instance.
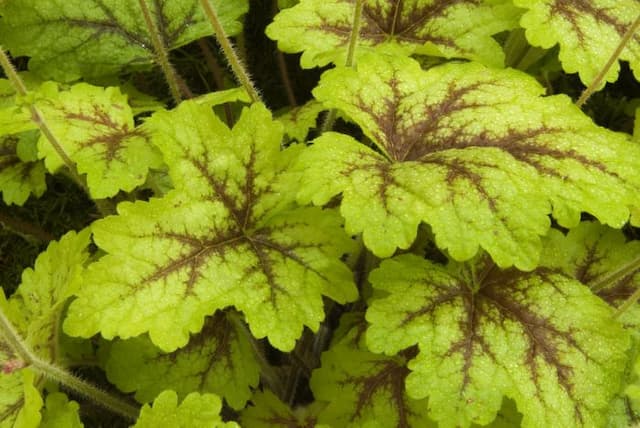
(613, 276)
(350, 61)
(57, 374)
(162, 56)
(233, 59)
(597, 81)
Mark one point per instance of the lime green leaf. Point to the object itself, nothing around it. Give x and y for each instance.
(218, 360)
(195, 411)
(540, 338)
(95, 128)
(21, 174)
(20, 400)
(472, 151)
(299, 120)
(365, 389)
(35, 310)
(69, 39)
(223, 97)
(229, 234)
(41, 297)
(13, 118)
(269, 412)
(59, 412)
(636, 127)
(588, 33)
(461, 29)
(588, 253)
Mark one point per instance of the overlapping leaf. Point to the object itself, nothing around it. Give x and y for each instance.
(41, 297)
(363, 389)
(268, 411)
(462, 28)
(299, 120)
(95, 128)
(591, 253)
(20, 400)
(195, 411)
(59, 412)
(69, 39)
(35, 311)
(21, 173)
(474, 152)
(588, 32)
(218, 360)
(229, 234)
(540, 338)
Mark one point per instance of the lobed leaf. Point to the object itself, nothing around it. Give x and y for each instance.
(229, 234)
(588, 32)
(20, 400)
(21, 173)
(43, 293)
(95, 128)
(59, 412)
(589, 253)
(69, 39)
(299, 120)
(474, 152)
(195, 411)
(364, 389)
(461, 29)
(540, 338)
(35, 310)
(217, 360)
(268, 411)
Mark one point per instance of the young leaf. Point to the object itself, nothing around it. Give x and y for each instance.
(269, 412)
(588, 33)
(95, 128)
(472, 151)
(21, 173)
(35, 310)
(540, 338)
(195, 411)
(20, 400)
(42, 295)
(462, 29)
(365, 389)
(217, 360)
(299, 120)
(92, 38)
(589, 252)
(228, 234)
(59, 412)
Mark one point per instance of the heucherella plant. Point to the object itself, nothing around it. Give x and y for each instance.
(432, 221)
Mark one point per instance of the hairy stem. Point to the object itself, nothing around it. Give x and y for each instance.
(53, 372)
(627, 304)
(597, 81)
(162, 55)
(350, 62)
(613, 276)
(218, 76)
(232, 57)
(282, 67)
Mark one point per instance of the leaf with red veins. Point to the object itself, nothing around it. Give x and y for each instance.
(321, 29)
(229, 234)
(474, 152)
(540, 338)
(588, 32)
